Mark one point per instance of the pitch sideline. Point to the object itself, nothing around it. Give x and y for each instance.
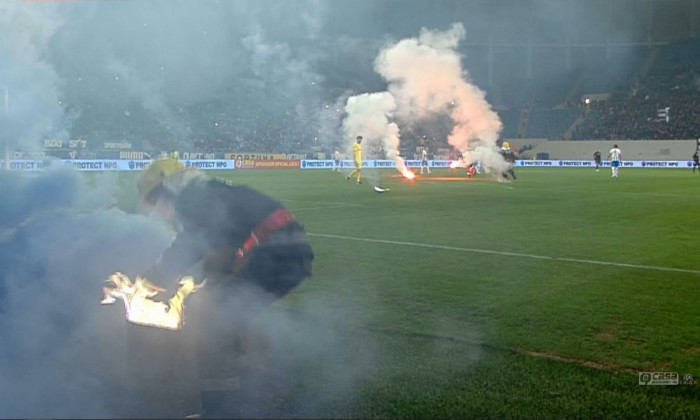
(505, 253)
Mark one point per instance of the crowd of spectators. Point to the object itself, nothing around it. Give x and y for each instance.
(652, 110)
(261, 119)
(660, 105)
(243, 119)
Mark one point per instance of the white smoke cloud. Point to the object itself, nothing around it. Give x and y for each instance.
(62, 353)
(369, 115)
(150, 94)
(426, 77)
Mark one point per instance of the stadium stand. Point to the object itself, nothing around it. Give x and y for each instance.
(511, 121)
(550, 123)
(636, 109)
(661, 105)
(641, 82)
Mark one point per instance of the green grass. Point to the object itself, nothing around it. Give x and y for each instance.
(474, 301)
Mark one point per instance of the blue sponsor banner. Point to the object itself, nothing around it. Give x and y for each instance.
(534, 163)
(370, 164)
(319, 164)
(92, 165)
(209, 164)
(135, 165)
(590, 163)
(413, 163)
(23, 165)
(662, 164)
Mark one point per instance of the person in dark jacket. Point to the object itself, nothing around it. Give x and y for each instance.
(243, 237)
(509, 157)
(252, 251)
(597, 160)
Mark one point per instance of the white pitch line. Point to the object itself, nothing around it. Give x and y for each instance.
(511, 254)
(330, 203)
(601, 191)
(340, 206)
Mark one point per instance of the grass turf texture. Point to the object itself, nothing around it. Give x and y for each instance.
(523, 332)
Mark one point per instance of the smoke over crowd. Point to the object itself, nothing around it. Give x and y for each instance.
(30, 88)
(248, 70)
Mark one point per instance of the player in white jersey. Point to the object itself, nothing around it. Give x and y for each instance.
(336, 160)
(424, 160)
(615, 157)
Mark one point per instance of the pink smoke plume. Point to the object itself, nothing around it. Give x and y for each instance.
(426, 77)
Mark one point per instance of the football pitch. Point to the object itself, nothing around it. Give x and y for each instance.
(545, 297)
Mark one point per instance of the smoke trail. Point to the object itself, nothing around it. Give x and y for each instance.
(130, 68)
(150, 94)
(294, 83)
(425, 76)
(29, 80)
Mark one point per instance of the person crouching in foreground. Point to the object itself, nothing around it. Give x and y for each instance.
(242, 237)
(252, 249)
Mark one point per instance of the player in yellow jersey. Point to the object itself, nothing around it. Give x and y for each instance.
(357, 159)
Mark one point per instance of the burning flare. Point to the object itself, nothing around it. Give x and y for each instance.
(459, 163)
(407, 173)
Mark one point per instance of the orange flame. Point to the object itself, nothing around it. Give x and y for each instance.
(407, 174)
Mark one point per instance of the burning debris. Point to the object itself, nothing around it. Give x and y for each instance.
(141, 308)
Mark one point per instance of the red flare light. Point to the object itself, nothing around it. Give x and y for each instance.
(408, 174)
